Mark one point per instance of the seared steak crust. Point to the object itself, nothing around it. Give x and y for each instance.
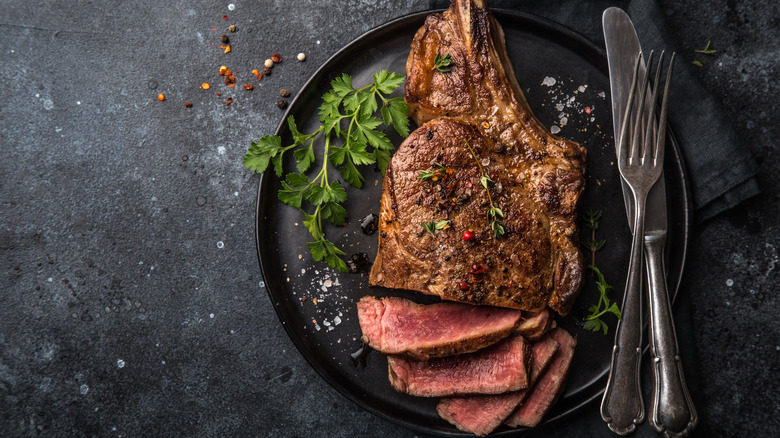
(537, 179)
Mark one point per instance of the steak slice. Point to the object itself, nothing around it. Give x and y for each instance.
(398, 326)
(482, 414)
(537, 179)
(535, 324)
(496, 369)
(549, 386)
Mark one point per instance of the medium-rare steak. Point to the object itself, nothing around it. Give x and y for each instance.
(535, 324)
(398, 326)
(549, 386)
(480, 152)
(496, 369)
(482, 414)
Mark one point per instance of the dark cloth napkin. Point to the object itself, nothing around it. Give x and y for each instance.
(722, 172)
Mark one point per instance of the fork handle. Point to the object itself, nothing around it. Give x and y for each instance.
(622, 407)
(672, 411)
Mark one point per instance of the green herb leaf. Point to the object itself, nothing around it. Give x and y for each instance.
(348, 114)
(442, 63)
(593, 321)
(485, 181)
(706, 50)
(698, 62)
(442, 224)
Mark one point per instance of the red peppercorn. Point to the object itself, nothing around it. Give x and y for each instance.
(276, 58)
(468, 235)
(463, 285)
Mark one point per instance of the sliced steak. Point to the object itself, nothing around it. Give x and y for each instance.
(401, 327)
(535, 324)
(549, 386)
(474, 118)
(482, 414)
(496, 369)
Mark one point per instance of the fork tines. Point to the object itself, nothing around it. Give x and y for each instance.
(645, 142)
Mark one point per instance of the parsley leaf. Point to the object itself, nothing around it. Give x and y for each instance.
(594, 322)
(347, 114)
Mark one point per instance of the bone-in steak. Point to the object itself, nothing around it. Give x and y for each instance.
(537, 179)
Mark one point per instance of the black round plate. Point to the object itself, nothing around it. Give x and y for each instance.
(316, 305)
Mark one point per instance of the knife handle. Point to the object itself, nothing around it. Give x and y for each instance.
(672, 411)
(622, 407)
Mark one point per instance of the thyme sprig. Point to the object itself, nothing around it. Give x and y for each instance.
(592, 218)
(433, 174)
(494, 214)
(442, 63)
(706, 51)
(432, 226)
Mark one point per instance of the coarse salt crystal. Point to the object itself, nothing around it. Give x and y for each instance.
(548, 81)
(554, 129)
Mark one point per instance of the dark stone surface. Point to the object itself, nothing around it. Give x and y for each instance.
(130, 289)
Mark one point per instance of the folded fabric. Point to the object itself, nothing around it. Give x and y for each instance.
(721, 170)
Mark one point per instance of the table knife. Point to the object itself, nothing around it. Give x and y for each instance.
(671, 409)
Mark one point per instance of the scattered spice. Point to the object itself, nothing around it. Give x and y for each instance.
(227, 48)
(219, 94)
(301, 57)
(223, 70)
(268, 63)
(255, 72)
(266, 71)
(587, 110)
(282, 104)
(205, 86)
(468, 235)
(485, 125)
(284, 92)
(229, 101)
(225, 17)
(463, 285)
(276, 58)
(224, 38)
(248, 87)
(230, 80)
(232, 28)
(161, 97)
(188, 105)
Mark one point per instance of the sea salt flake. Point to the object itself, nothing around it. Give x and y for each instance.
(554, 129)
(548, 81)
(581, 89)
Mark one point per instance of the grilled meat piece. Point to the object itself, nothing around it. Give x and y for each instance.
(496, 369)
(482, 414)
(474, 119)
(398, 326)
(550, 385)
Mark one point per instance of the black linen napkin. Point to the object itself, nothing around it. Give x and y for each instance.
(721, 171)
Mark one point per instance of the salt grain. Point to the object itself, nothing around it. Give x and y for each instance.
(549, 81)
(554, 129)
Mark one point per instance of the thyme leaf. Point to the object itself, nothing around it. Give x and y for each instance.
(442, 63)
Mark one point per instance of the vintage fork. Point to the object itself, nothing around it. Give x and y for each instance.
(640, 163)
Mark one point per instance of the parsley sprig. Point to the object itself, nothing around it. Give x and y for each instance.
(594, 322)
(442, 63)
(494, 214)
(348, 117)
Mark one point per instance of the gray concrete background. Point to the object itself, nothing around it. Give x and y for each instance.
(129, 287)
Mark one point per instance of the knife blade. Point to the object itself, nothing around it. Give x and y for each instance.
(671, 410)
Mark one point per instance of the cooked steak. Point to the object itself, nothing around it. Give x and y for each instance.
(398, 326)
(476, 129)
(496, 369)
(535, 324)
(549, 386)
(482, 414)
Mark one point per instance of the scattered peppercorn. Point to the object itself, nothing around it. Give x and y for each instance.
(161, 97)
(463, 285)
(282, 104)
(284, 92)
(232, 28)
(276, 58)
(268, 63)
(248, 86)
(301, 57)
(223, 70)
(219, 94)
(266, 71)
(229, 101)
(188, 105)
(468, 235)
(230, 80)
(205, 86)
